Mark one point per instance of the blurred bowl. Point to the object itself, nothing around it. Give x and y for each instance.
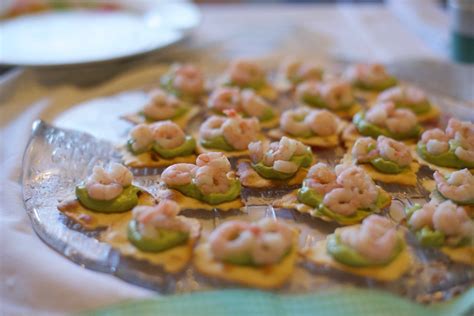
(62, 33)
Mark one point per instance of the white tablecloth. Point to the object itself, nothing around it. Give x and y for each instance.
(35, 279)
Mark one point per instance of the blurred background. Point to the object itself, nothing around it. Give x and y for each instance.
(100, 38)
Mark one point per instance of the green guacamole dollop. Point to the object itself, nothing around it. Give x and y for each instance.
(165, 240)
(379, 86)
(127, 200)
(180, 111)
(218, 142)
(267, 115)
(303, 161)
(428, 237)
(318, 102)
(418, 108)
(446, 159)
(349, 256)
(309, 197)
(192, 190)
(372, 130)
(386, 166)
(185, 149)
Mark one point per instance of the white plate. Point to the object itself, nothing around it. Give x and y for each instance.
(79, 36)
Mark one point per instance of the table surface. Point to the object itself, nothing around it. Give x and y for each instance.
(35, 278)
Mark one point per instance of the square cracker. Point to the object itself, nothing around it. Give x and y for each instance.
(460, 254)
(391, 272)
(182, 120)
(251, 179)
(172, 260)
(151, 160)
(407, 177)
(90, 220)
(188, 203)
(266, 277)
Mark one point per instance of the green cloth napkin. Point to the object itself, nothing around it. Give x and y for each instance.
(340, 302)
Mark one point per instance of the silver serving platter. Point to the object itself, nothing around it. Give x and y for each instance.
(56, 159)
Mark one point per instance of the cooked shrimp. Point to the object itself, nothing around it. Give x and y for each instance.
(239, 132)
(350, 176)
(401, 121)
(452, 220)
(321, 178)
(459, 186)
(161, 106)
(108, 184)
(257, 150)
(178, 174)
(376, 238)
(281, 151)
(189, 79)
(395, 151)
(293, 122)
(378, 114)
(252, 104)
(409, 96)
(365, 195)
(163, 215)
(396, 120)
(364, 190)
(120, 174)
(168, 134)
(340, 200)
(434, 133)
(212, 127)
(210, 180)
(337, 93)
(458, 126)
(464, 136)
(285, 166)
(370, 74)
(244, 72)
(215, 160)
(464, 154)
(297, 71)
(104, 192)
(266, 241)
(286, 149)
(321, 122)
(301, 148)
(309, 88)
(141, 136)
(423, 217)
(364, 149)
(436, 141)
(272, 242)
(225, 99)
(231, 239)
